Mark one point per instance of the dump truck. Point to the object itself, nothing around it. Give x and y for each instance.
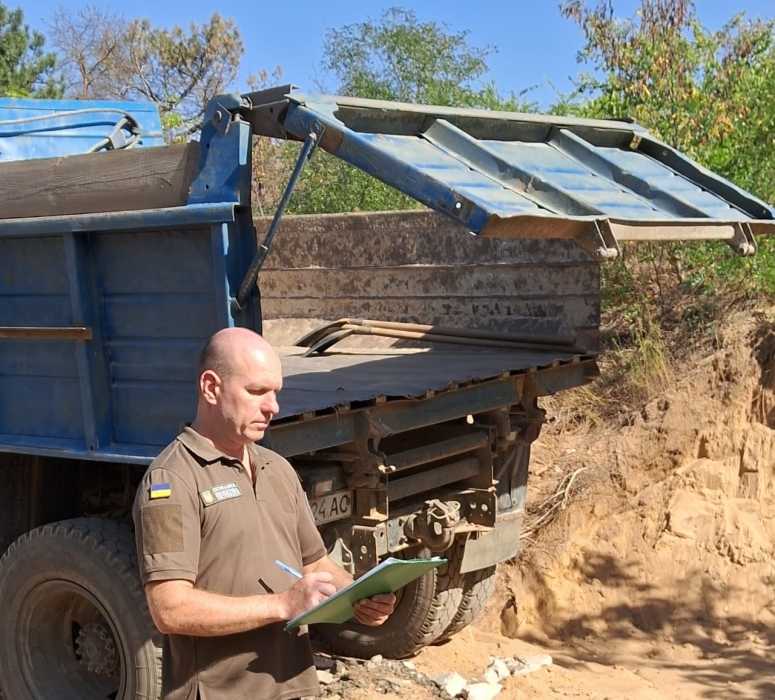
(415, 346)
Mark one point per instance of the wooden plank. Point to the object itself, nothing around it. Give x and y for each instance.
(43, 333)
(110, 181)
(287, 320)
(683, 232)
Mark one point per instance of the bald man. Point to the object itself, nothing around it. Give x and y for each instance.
(212, 514)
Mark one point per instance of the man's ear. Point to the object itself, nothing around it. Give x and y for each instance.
(210, 386)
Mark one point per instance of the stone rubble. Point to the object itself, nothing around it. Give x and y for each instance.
(450, 682)
(381, 676)
(528, 663)
(325, 677)
(339, 669)
(482, 691)
(496, 671)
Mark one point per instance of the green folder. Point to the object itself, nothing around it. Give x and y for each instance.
(386, 577)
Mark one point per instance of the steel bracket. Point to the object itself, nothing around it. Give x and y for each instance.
(599, 241)
(743, 242)
(224, 166)
(366, 471)
(342, 555)
(529, 392)
(397, 538)
(479, 506)
(367, 544)
(219, 110)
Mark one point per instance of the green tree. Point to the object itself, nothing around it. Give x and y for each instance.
(105, 56)
(26, 69)
(396, 57)
(711, 94)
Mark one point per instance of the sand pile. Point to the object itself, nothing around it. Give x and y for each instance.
(669, 533)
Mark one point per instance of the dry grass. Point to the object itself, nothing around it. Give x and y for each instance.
(642, 359)
(548, 508)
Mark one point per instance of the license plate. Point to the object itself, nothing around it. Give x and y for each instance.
(332, 507)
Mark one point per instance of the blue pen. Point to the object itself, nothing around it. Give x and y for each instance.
(287, 568)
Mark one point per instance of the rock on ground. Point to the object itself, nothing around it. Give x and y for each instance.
(450, 682)
(482, 691)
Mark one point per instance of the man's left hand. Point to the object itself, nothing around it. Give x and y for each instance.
(375, 610)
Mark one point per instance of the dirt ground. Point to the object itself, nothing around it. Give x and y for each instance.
(653, 578)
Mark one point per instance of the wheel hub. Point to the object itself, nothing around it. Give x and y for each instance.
(96, 649)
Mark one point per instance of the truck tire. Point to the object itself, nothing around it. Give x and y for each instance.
(425, 608)
(75, 622)
(478, 586)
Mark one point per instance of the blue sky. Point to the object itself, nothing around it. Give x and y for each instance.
(536, 47)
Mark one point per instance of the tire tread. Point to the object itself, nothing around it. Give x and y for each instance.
(113, 542)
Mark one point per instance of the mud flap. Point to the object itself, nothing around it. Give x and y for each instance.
(494, 547)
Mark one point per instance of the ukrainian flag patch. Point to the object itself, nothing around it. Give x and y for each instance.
(161, 491)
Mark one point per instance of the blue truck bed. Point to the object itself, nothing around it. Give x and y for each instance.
(103, 314)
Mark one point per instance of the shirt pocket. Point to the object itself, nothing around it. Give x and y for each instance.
(281, 493)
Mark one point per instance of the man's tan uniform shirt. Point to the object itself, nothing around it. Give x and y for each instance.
(198, 517)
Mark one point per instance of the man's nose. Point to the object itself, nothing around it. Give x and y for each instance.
(271, 405)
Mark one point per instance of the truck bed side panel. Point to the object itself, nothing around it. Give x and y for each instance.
(419, 267)
(38, 378)
(149, 299)
(159, 310)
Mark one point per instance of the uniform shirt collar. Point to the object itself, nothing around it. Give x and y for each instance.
(204, 449)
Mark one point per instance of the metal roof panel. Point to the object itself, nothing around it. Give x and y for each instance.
(528, 175)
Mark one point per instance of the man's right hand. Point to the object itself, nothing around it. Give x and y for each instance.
(306, 593)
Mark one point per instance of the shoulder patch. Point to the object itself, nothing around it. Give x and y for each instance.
(160, 491)
(222, 492)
